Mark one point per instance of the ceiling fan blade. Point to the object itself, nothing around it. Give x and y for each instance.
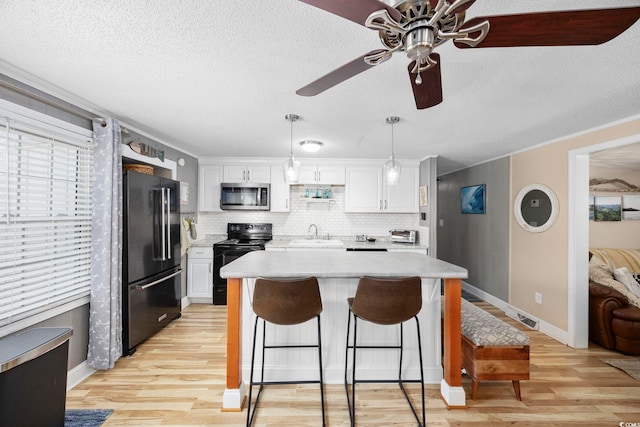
(566, 28)
(354, 10)
(338, 75)
(429, 93)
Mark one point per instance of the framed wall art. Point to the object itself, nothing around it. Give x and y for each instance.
(607, 208)
(473, 199)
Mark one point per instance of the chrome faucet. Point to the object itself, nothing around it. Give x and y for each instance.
(314, 226)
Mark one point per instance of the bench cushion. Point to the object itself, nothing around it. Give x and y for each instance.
(484, 329)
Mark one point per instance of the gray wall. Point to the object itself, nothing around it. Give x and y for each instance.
(477, 242)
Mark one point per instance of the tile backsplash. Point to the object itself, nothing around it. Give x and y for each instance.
(329, 217)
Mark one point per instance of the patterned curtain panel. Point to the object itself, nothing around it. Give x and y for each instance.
(105, 322)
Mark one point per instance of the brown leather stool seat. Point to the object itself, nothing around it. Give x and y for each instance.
(284, 302)
(384, 301)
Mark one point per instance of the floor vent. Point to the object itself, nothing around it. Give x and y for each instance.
(524, 319)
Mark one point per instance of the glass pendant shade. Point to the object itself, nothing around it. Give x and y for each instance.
(392, 167)
(292, 170)
(291, 165)
(392, 170)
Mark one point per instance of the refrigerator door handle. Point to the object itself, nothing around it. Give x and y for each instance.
(168, 230)
(157, 282)
(163, 203)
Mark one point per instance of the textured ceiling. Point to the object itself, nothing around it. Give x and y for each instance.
(216, 78)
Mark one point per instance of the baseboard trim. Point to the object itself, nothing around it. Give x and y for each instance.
(78, 374)
(545, 327)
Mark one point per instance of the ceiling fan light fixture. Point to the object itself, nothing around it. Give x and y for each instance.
(392, 168)
(419, 43)
(291, 167)
(311, 146)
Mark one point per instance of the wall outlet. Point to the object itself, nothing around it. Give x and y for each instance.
(538, 297)
(441, 222)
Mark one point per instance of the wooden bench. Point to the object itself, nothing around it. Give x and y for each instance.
(492, 349)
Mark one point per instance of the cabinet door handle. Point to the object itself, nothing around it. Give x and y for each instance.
(318, 176)
(385, 205)
(210, 268)
(380, 204)
(248, 175)
(286, 203)
(244, 175)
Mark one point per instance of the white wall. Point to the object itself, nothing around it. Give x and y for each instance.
(329, 218)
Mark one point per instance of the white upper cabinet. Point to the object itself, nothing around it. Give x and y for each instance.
(366, 190)
(363, 189)
(280, 191)
(325, 175)
(250, 173)
(404, 197)
(209, 179)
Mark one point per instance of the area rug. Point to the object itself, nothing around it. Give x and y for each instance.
(86, 417)
(630, 366)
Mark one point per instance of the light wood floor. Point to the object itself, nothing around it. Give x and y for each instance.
(177, 378)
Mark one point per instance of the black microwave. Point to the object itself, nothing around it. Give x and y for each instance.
(246, 196)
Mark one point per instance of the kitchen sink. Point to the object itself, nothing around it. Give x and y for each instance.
(316, 243)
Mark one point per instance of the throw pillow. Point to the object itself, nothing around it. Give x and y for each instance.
(624, 276)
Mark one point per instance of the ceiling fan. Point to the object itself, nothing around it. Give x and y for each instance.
(418, 26)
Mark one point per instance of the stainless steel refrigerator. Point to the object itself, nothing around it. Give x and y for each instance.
(151, 256)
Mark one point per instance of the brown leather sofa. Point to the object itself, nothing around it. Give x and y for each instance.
(614, 323)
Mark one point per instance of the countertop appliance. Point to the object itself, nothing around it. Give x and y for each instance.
(241, 239)
(151, 256)
(246, 196)
(403, 236)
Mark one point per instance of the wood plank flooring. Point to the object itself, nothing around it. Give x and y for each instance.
(177, 379)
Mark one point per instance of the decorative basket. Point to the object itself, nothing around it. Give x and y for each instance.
(148, 170)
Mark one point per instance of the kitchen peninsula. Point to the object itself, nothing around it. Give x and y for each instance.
(338, 273)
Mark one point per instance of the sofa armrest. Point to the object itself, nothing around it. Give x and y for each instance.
(598, 290)
(602, 301)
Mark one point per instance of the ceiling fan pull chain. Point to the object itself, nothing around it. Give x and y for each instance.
(418, 78)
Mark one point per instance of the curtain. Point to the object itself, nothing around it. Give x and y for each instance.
(105, 322)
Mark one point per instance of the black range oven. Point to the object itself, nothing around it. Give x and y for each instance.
(241, 239)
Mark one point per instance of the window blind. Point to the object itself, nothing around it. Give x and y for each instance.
(45, 218)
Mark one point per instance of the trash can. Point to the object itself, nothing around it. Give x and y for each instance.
(33, 377)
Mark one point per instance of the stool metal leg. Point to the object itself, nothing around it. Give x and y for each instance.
(351, 393)
(346, 366)
(253, 355)
(262, 382)
(321, 378)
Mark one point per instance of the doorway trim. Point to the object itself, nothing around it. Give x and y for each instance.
(578, 210)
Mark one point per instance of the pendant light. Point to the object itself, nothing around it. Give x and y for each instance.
(392, 167)
(291, 166)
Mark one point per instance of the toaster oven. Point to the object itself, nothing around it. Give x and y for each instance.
(403, 236)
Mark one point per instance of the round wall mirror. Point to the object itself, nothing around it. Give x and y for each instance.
(536, 208)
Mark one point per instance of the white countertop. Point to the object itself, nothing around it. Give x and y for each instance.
(340, 264)
(348, 242)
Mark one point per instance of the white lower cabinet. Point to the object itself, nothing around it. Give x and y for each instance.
(200, 275)
(422, 251)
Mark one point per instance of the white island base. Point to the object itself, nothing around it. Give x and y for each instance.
(338, 277)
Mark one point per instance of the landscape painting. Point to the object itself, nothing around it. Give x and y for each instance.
(608, 208)
(473, 199)
(592, 201)
(631, 207)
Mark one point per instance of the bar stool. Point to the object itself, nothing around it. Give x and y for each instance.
(284, 302)
(384, 301)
